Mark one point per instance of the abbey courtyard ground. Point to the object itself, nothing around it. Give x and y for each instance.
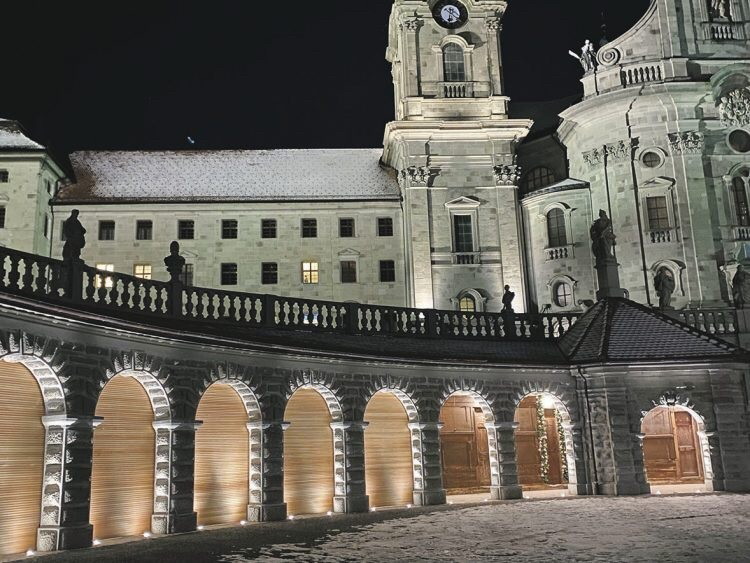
(696, 527)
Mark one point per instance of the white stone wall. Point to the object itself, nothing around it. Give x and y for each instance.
(208, 250)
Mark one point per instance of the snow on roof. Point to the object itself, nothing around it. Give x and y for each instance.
(12, 137)
(315, 174)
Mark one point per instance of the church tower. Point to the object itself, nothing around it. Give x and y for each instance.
(454, 149)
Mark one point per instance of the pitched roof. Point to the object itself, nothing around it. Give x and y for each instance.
(13, 137)
(617, 330)
(282, 175)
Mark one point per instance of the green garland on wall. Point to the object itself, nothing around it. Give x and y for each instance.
(541, 433)
(563, 446)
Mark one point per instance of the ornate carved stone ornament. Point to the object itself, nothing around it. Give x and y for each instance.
(734, 108)
(413, 24)
(493, 24)
(688, 142)
(593, 157)
(620, 150)
(416, 176)
(608, 56)
(507, 174)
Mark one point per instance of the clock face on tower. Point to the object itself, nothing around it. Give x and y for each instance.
(450, 13)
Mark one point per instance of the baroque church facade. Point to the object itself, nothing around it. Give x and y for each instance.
(461, 201)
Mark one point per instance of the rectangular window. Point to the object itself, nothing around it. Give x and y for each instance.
(229, 274)
(106, 230)
(187, 275)
(2, 217)
(268, 228)
(387, 271)
(269, 274)
(46, 226)
(385, 227)
(310, 273)
(100, 280)
(346, 228)
(463, 234)
(229, 228)
(142, 271)
(4, 177)
(348, 271)
(144, 230)
(309, 228)
(186, 229)
(658, 218)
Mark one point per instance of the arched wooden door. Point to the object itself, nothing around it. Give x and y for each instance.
(671, 447)
(21, 458)
(122, 476)
(308, 454)
(221, 457)
(388, 456)
(464, 448)
(534, 421)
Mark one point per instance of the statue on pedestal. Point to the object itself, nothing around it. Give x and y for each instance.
(741, 287)
(174, 262)
(602, 238)
(75, 238)
(665, 285)
(587, 57)
(720, 9)
(508, 314)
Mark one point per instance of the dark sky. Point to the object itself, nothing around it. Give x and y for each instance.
(242, 74)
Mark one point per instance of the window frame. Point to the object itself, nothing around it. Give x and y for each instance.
(353, 227)
(3, 216)
(108, 280)
(313, 225)
(657, 187)
(392, 270)
(552, 286)
(263, 228)
(180, 227)
(538, 180)
(101, 229)
(274, 273)
(4, 176)
(144, 274)
(223, 273)
(659, 219)
(741, 173)
(138, 228)
(386, 226)
(310, 275)
(348, 260)
(557, 243)
(187, 276)
(225, 228)
(468, 51)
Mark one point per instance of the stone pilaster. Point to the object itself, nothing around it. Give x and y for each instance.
(731, 433)
(503, 469)
(266, 472)
(496, 64)
(67, 483)
(578, 482)
(428, 476)
(411, 29)
(349, 467)
(174, 477)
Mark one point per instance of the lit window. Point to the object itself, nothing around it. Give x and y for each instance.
(144, 230)
(142, 271)
(106, 230)
(310, 272)
(100, 280)
(2, 217)
(563, 295)
(346, 228)
(229, 274)
(186, 229)
(739, 192)
(187, 275)
(454, 67)
(4, 177)
(556, 228)
(387, 271)
(656, 208)
(229, 229)
(348, 271)
(268, 228)
(463, 234)
(539, 177)
(385, 227)
(309, 228)
(269, 273)
(467, 304)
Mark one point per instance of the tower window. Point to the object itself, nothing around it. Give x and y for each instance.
(144, 230)
(539, 177)
(454, 67)
(268, 228)
(467, 304)
(556, 228)
(309, 228)
(229, 274)
(387, 271)
(463, 234)
(740, 201)
(385, 227)
(269, 273)
(658, 218)
(186, 229)
(106, 230)
(229, 229)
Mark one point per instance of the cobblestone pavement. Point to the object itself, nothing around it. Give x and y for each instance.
(699, 527)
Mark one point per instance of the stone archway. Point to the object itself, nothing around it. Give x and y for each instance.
(393, 450)
(228, 455)
(545, 450)
(468, 444)
(314, 450)
(130, 477)
(675, 447)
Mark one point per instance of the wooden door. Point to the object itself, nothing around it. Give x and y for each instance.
(221, 457)
(21, 458)
(686, 443)
(388, 457)
(554, 470)
(308, 454)
(671, 452)
(528, 460)
(122, 475)
(463, 445)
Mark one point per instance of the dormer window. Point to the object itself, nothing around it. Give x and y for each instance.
(454, 65)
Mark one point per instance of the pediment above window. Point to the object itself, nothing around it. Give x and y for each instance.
(463, 202)
(348, 252)
(660, 182)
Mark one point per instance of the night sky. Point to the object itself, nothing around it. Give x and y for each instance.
(239, 74)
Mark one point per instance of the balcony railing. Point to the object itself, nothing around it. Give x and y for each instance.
(711, 321)
(742, 233)
(559, 252)
(661, 236)
(76, 284)
(456, 89)
(466, 258)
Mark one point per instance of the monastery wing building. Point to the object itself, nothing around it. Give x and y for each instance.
(335, 330)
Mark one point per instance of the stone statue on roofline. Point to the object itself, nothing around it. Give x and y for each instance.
(75, 237)
(741, 287)
(587, 58)
(508, 314)
(602, 238)
(665, 285)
